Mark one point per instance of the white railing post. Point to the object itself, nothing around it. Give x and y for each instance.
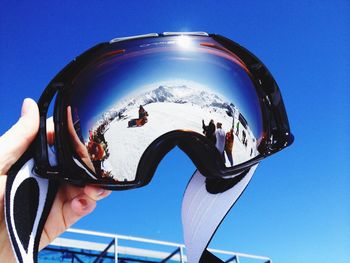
(116, 249)
(182, 260)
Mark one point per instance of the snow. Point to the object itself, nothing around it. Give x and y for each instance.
(169, 107)
(126, 145)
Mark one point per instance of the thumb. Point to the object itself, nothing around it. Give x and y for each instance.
(17, 139)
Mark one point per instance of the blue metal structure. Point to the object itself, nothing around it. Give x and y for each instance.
(142, 250)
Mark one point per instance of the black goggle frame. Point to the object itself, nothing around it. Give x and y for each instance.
(277, 134)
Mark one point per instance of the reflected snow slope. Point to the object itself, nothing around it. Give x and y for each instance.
(167, 112)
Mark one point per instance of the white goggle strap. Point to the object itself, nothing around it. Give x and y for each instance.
(202, 213)
(28, 201)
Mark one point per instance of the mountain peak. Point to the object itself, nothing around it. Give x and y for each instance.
(174, 94)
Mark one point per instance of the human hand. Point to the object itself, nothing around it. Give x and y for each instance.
(71, 203)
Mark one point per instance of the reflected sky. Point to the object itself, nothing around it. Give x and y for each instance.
(106, 81)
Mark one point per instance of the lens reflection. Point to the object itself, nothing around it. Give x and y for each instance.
(123, 103)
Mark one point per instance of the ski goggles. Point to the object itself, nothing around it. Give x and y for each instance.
(122, 105)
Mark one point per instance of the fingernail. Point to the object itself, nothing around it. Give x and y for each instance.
(100, 191)
(25, 105)
(103, 193)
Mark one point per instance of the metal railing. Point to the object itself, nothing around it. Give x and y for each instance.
(114, 248)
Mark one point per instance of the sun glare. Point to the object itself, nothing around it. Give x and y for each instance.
(184, 41)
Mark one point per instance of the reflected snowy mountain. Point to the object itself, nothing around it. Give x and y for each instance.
(135, 122)
(175, 94)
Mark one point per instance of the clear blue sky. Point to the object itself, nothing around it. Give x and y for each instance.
(297, 207)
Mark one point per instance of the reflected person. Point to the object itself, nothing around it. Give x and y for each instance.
(229, 145)
(209, 131)
(220, 139)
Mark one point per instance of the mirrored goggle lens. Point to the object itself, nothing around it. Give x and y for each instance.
(141, 89)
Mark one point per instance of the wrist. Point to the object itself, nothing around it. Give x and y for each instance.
(6, 252)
